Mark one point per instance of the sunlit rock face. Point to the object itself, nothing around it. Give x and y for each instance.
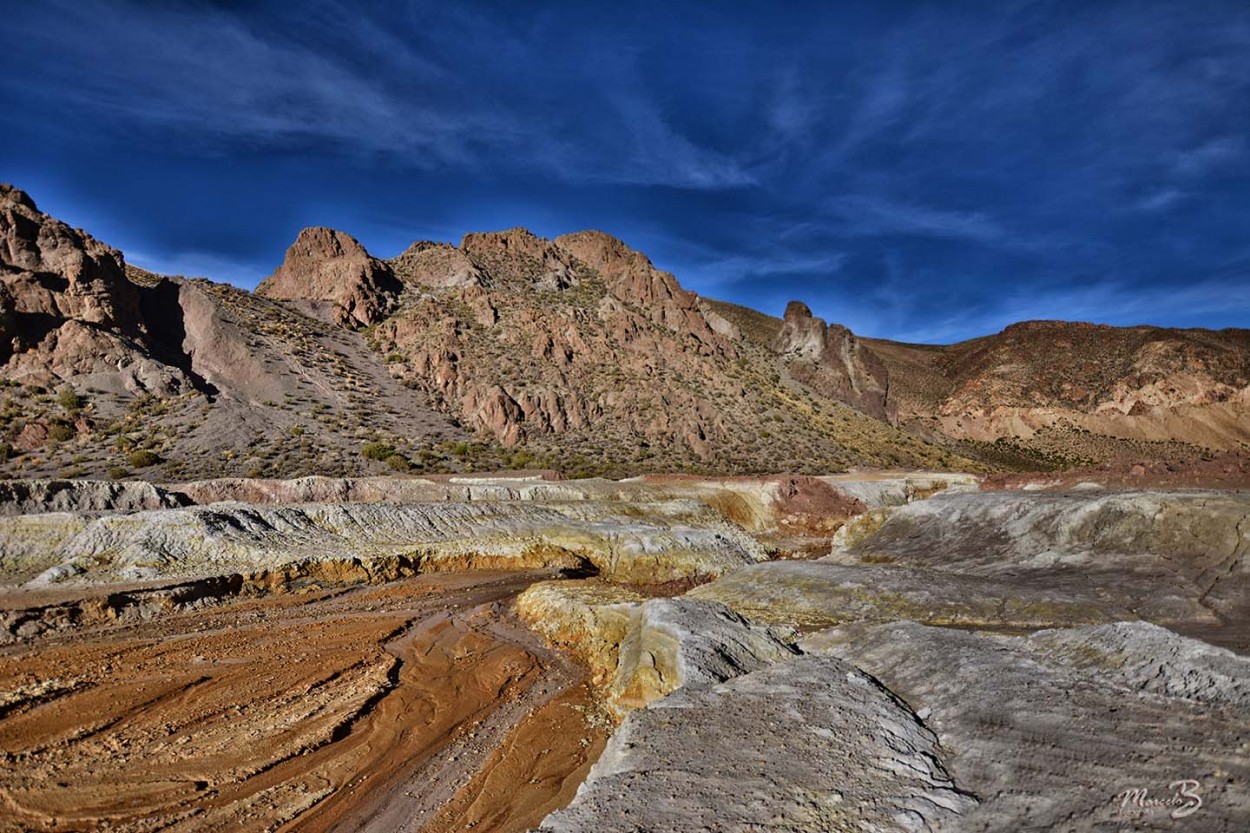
(330, 267)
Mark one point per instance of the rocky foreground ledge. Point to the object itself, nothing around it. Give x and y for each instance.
(874, 652)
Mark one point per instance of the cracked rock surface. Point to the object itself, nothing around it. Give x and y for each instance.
(812, 744)
(1053, 730)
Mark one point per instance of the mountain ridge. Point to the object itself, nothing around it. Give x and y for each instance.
(513, 350)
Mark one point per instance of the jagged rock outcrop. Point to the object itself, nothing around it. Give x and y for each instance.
(56, 273)
(437, 264)
(1060, 730)
(576, 354)
(333, 271)
(68, 311)
(631, 277)
(520, 258)
(804, 746)
(831, 360)
(639, 651)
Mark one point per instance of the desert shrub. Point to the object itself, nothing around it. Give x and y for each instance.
(118, 472)
(6, 451)
(68, 399)
(398, 462)
(297, 430)
(377, 451)
(61, 432)
(143, 458)
(521, 459)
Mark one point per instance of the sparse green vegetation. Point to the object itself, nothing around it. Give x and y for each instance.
(377, 451)
(69, 399)
(143, 458)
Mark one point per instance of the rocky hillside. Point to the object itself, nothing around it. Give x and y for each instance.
(1079, 392)
(577, 354)
(507, 351)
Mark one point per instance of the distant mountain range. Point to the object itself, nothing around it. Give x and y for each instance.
(513, 351)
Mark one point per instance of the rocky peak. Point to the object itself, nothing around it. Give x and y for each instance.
(517, 256)
(607, 255)
(68, 312)
(797, 311)
(802, 335)
(59, 273)
(12, 194)
(631, 277)
(437, 264)
(332, 269)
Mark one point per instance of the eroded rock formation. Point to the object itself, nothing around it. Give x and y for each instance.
(328, 267)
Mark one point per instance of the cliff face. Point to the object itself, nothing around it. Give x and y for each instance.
(68, 313)
(582, 344)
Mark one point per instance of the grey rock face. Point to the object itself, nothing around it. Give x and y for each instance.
(1057, 731)
(812, 744)
(639, 651)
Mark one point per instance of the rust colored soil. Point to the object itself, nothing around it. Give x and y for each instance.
(416, 705)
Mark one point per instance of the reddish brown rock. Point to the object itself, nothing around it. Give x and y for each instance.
(437, 264)
(1081, 393)
(631, 277)
(33, 435)
(494, 411)
(51, 271)
(518, 257)
(328, 267)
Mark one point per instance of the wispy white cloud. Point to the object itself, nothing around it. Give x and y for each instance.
(202, 76)
(1111, 302)
(870, 214)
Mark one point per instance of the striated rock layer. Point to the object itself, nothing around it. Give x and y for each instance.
(646, 543)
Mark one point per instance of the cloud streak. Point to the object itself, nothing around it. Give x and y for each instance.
(1063, 161)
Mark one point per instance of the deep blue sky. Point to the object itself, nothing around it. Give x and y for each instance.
(926, 172)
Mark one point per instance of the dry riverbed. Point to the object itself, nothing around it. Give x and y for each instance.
(415, 705)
